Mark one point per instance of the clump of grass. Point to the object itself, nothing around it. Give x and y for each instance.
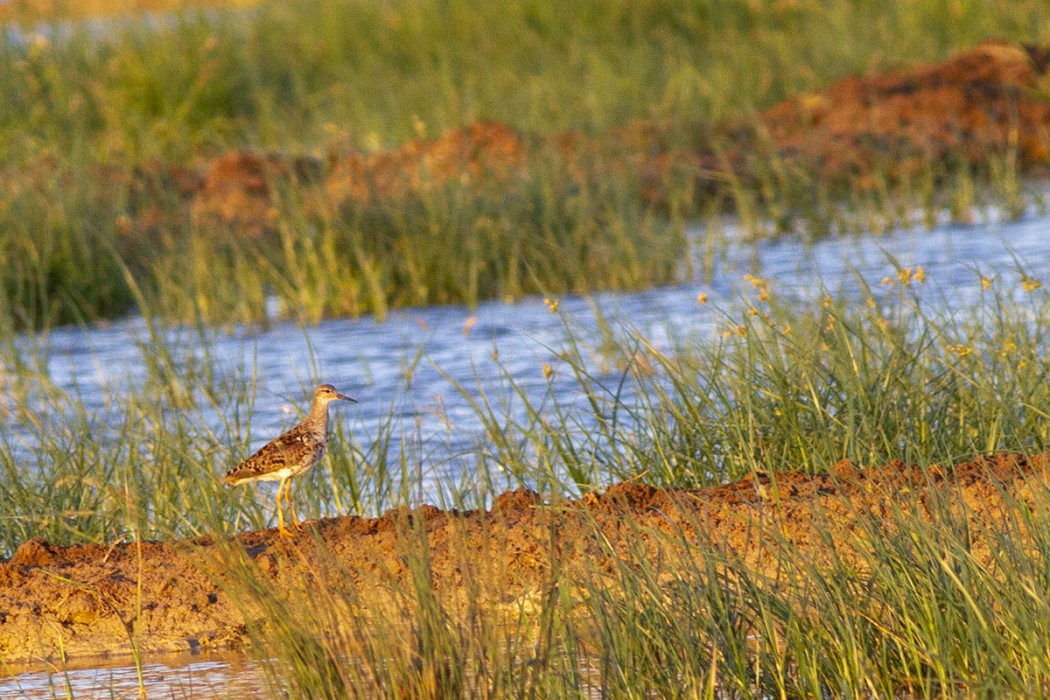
(909, 613)
(871, 375)
(774, 195)
(556, 229)
(57, 237)
(405, 638)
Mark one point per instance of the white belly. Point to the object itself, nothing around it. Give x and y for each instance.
(279, 475)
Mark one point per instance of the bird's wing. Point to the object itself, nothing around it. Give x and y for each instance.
(289, 449)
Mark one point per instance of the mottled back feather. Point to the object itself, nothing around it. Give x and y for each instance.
(296, 450)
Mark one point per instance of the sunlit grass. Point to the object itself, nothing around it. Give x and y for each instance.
(293, 74)
(71, 258)
(915, 602)
(90, 109)
(878, 374)
(784, 383)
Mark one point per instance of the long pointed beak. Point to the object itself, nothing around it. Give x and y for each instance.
(344, 397)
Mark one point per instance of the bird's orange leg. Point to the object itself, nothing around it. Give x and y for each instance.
(288, 500)
(285, 532)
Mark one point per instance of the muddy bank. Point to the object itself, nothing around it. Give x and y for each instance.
(92, 599)
(983, 104)
(983, 110)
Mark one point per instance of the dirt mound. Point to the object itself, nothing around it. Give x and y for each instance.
(239, 189)
(983, 102)
(92, 599)
(465, 155)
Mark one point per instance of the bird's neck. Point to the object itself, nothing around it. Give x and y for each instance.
(317, 418)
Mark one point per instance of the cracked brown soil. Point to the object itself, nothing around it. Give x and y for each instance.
(183, 595)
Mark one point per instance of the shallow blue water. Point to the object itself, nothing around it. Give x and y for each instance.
(399, 364)
(170, 676)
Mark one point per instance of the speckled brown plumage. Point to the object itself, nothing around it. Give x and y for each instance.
(292, 453)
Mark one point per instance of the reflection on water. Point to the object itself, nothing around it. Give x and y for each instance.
(177, 677)
(173, 676)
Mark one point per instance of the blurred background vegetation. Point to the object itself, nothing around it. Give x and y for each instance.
(105, 102)
(304, 74)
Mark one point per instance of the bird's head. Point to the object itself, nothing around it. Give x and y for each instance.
(326, 393)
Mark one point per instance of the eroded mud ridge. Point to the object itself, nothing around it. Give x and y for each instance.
(92, 599)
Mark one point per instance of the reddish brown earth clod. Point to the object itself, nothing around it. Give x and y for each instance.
(979, 103)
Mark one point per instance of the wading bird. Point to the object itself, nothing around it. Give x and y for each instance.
(291, 454)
